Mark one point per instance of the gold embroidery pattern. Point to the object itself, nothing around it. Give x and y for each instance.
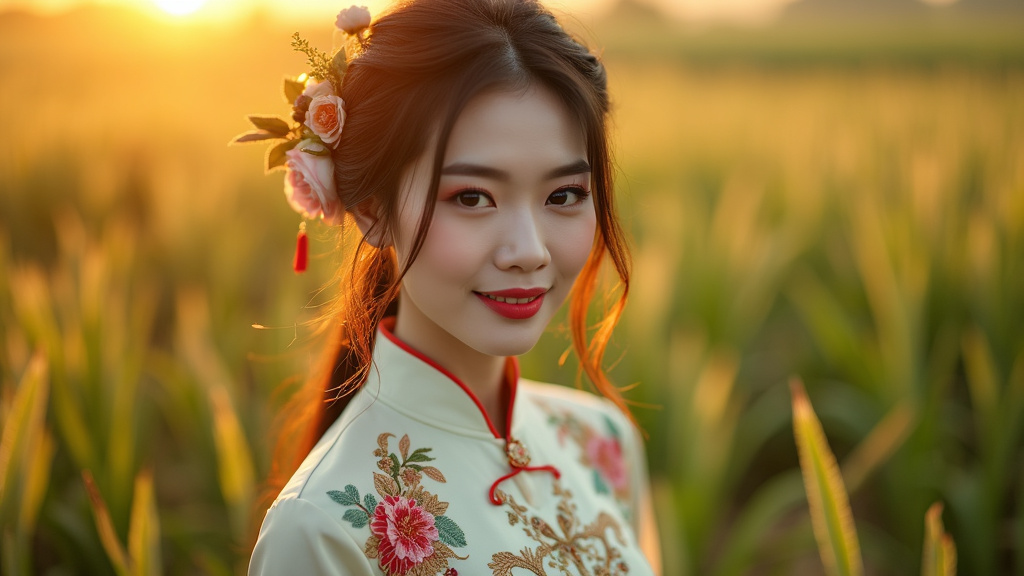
(588, 549)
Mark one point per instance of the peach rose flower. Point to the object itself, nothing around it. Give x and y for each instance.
(309, 184)
(326, 117)
(322, 88)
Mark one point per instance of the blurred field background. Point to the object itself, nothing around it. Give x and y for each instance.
(835, 196)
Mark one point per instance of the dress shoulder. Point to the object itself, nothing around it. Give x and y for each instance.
(575, 402)
(298, 537)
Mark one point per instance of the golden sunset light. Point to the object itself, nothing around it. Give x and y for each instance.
(180, 7)
(820, 204)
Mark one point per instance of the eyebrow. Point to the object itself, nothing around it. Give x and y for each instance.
(467, 169)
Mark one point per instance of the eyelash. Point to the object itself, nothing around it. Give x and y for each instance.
(471, 192)
(580, 192)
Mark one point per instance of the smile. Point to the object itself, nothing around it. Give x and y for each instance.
(510, 300)
(514, 303)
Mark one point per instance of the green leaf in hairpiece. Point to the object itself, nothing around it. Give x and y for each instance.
(292, 90)
(271, 124)
(339, 65)
(276, 157)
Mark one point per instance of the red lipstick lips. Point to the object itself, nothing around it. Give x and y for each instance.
(514, 303)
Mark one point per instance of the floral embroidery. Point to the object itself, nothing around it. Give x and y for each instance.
(409, 533)
(586, 548)
(602, 453)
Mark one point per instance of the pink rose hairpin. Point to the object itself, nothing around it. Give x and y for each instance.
(304, 148)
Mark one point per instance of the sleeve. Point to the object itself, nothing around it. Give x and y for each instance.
(297, 537)
(644, 522)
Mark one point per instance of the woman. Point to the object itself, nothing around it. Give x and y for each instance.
(466, 139)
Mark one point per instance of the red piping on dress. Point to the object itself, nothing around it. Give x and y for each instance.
(494, 487)
(511, 376)
(385, 328)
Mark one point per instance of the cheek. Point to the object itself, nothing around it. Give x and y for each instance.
(574, 243)
(451, 252)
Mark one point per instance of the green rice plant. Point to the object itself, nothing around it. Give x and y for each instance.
(830, 510)
(939, 550)
(830, 505)
(142, 556)
(26, 455)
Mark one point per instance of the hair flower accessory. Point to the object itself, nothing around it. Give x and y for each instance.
(325, 117)
(303, 148)
(353, 20)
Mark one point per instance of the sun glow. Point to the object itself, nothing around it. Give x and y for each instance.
(180, 7)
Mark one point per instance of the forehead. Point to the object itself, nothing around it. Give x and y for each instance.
(521, 130)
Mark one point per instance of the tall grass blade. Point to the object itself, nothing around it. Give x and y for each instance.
(939, 549)
(144, 533)
(829, 503)
(26, 453)
(105, 526)
(23, 428)
(36, 480)
(234, 458)
(885, 438)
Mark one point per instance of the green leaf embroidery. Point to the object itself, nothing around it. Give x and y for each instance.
(449, 532)
(350, 497)
(599, 484)
(419, 457)
(394, 463)
(357, 517)
(421, 451)
(612, 427)
(370, 502)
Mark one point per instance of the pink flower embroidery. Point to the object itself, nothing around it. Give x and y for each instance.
(326, 117)
(605, 455)
(406, 533)
(309, 185)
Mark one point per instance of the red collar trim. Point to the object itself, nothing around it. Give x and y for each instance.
(511, 377)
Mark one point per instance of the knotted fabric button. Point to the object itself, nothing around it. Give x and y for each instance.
(518, 455)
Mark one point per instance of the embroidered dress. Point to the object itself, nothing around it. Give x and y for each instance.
(414, 479)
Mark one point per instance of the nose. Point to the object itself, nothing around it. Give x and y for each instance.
(523, 243)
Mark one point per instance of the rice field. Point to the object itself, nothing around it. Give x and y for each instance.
(800, 207)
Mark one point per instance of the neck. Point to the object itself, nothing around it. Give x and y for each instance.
(482, 373)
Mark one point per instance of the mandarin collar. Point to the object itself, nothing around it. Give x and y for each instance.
(420, 388)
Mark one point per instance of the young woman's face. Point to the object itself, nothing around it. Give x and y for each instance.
(512, 228)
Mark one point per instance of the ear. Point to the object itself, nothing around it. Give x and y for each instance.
(370, 222)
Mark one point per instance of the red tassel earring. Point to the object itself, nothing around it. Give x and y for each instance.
(301, 250)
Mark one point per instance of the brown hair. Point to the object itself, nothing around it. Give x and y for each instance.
(421, 64)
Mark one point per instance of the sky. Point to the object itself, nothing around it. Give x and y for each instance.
(319, 9)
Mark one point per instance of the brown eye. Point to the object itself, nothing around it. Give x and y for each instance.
(568, 196)
(473, 199)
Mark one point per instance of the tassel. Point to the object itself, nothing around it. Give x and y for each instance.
(301, 250)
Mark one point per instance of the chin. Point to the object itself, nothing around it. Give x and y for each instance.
(508, 342)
